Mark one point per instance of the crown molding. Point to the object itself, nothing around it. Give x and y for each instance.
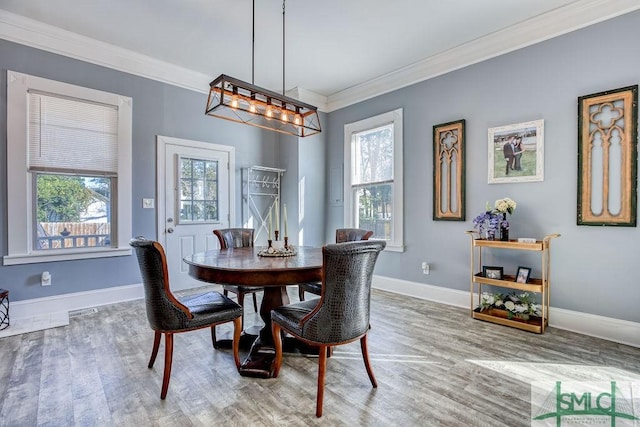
(574, 16)
(18, 29)
(309, 97)
(29, 32)
(557, 22)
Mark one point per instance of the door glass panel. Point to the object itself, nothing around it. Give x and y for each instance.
(198, 190)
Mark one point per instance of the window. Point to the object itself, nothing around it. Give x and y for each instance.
(69, 161)
(373, 177)
(198, 190)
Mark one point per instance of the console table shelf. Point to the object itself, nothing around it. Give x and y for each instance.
(534, 285)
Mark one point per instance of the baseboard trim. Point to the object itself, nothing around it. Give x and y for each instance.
(74, 301)
(608, 328)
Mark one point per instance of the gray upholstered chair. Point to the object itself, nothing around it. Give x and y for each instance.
(342, 235)
(238, 238)
(341, 315)
(168, 314)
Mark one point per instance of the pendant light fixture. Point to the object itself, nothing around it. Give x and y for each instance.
(242, 102)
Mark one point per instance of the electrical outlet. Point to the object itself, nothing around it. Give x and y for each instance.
(425, 267)
(46, 279)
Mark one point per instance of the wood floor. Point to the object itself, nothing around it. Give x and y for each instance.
(435, 366)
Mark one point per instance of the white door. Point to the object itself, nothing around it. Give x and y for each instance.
(198, 198)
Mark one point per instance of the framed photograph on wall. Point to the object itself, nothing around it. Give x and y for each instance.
(516, 153)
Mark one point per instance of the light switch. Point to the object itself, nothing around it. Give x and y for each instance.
(148, 203)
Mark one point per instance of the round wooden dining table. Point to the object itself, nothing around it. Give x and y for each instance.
(243, 266)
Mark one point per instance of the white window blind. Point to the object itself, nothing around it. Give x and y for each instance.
(71, 135)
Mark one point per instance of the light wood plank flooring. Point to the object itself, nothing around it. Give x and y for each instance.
(435, 366)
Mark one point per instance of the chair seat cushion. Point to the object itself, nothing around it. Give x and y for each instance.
(211, 307)
(289, 316)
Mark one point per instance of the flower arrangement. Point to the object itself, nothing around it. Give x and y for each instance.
(489, 222)
(505, 205)
(520, 306)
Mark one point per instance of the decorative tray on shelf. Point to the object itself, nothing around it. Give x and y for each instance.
(282, 252)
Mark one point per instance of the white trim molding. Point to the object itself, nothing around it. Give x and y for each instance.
(562, 20)
(607, 328)
(74, 301)
(574, 16)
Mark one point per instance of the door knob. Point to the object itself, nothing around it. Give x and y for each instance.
(169, 230)
(169, 220)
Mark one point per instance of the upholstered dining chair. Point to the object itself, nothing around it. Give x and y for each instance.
(341, 315)
(238, 238)
(168, 314)
(342, 235)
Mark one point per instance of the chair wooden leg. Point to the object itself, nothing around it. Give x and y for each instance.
(277, 343)
(300, 293)
(241, 304)
(241, 299)
(367, 364)
(255, 303)
(237, 331)
(156, 345)
(168, 359)
(322, 367)
(225, 292)
(213, 336)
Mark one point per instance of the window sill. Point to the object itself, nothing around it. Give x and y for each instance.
(390, 248)
(64, 255)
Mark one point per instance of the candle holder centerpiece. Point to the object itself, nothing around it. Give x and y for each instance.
(277, 247)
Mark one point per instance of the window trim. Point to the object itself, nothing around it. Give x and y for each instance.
(395, 117)
(20, 212)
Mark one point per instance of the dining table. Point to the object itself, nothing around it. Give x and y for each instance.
(250, 266)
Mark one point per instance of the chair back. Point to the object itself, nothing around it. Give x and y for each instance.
(352, 234)
(234, 237)
(342, 314)
(164, 311)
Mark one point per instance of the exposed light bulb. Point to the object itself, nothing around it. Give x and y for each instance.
(297, 119)
(284, 116)
(252, 108)
(269, 113)
(234, 102)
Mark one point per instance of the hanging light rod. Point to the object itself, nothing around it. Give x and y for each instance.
(242, 102)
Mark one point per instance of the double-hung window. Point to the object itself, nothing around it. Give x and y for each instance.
(69, 162)
(373, 177)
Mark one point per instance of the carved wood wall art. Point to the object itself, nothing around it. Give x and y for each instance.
(449, 171)
(607, 157)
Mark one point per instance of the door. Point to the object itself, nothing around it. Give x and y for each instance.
(198, 198)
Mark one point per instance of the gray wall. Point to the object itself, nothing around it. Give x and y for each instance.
(303, 186)
(593, 268)
(158, 109)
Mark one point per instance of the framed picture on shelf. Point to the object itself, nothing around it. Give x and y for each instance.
(516, 153)
(522, 276)
(492, 272)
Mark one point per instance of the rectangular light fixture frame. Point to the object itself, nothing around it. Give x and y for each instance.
(238, 101)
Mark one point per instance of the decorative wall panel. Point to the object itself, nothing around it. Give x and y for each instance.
(449, 171)
(607, 157)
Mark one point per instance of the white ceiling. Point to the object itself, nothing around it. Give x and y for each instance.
(332, 46)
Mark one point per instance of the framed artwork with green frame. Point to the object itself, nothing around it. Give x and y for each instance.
(607, 157)
(449, 171)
